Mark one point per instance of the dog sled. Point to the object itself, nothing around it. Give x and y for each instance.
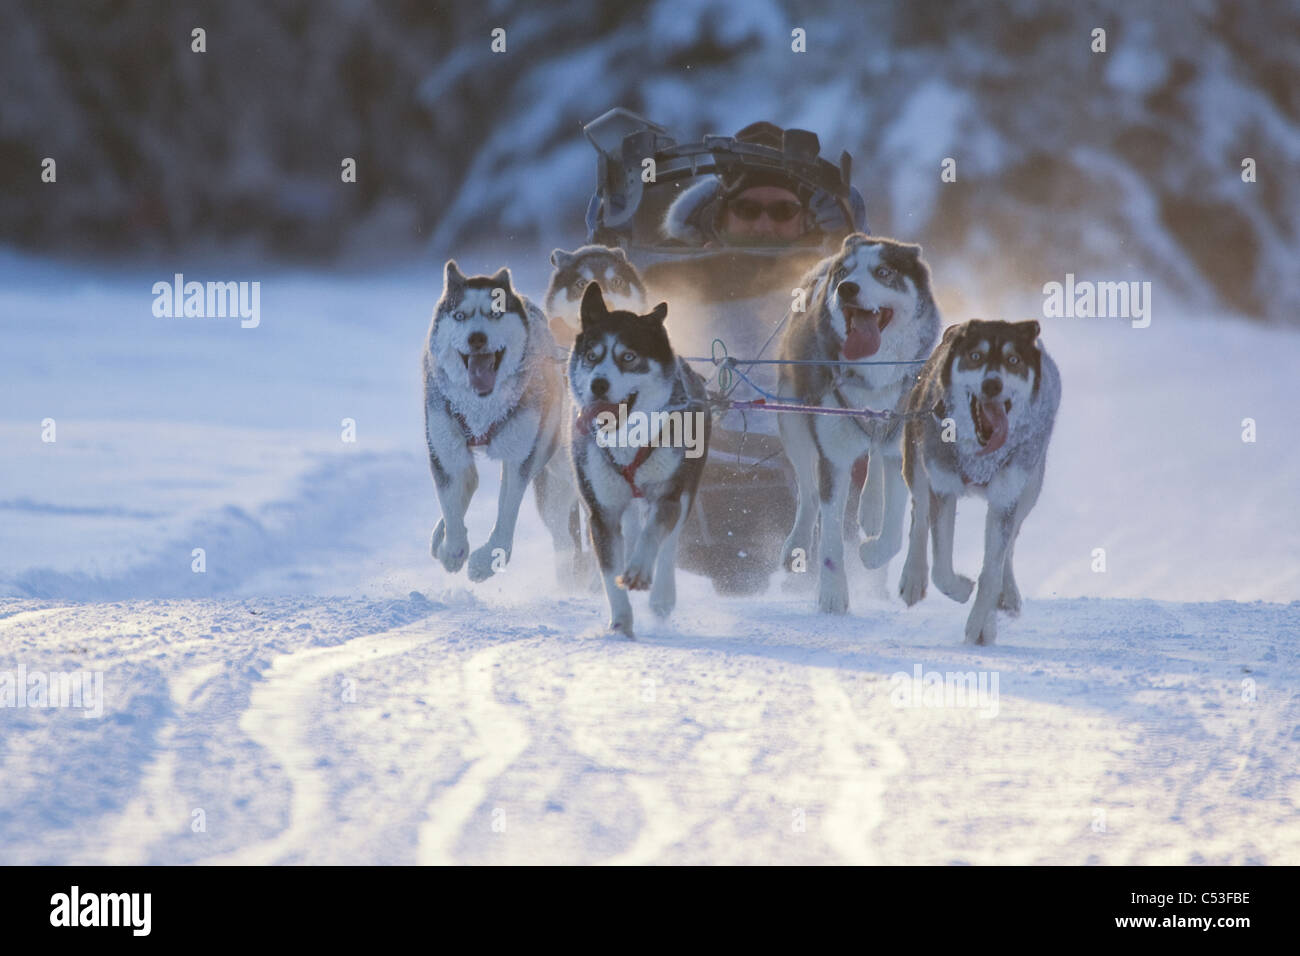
(724, 298)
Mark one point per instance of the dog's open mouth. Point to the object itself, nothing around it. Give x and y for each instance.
(863, 328)
(587, 417)
(482, 368)
(990, 418)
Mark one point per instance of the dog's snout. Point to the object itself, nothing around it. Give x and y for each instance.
(477, 340)
(848, 290)
(599, 387)
(991, 387)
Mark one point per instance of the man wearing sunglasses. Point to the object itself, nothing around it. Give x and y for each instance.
(762, 207)
(755, 206)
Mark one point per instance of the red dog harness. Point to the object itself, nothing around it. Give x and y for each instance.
(629, 471)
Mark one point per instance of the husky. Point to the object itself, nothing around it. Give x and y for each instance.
(619, 281)
(623, 365)
(984, 408)
(491, 381)
(871, 300)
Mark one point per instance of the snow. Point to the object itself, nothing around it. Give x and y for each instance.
(325, 693)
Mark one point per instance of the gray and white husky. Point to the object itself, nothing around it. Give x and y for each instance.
(619, 282)
(624, 378)
(871, 300)
(491, 381)
(992, 392)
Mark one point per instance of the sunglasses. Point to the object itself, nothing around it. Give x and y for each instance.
(783, 210)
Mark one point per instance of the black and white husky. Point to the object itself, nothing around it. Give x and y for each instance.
(491, 381)
(608, 266)
(992, 391)
(642, 433)
(871, 300)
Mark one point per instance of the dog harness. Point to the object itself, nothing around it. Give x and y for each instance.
(629, 470)
(643, 453)
(472, 440)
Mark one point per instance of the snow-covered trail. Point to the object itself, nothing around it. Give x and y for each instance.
(441, 732)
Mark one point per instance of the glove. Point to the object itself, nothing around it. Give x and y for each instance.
(827, 214)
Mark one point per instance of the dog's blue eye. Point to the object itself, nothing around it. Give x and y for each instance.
(884, 272)
(629, 357)
(593, 356)
(975, 356)
(580, 284)
(459, 316)
(1013, 360)
(840, 273)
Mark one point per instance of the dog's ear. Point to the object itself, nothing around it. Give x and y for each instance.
(619, 252)
(658, 313)
(502, 278)
(1031, 328)
(851, 240)
(911, 249)
(452, 276)
(949, 333)
(561, 259)
(593, 305)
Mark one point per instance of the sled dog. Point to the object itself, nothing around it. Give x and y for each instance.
(622, 372)
(869, 301)
(491, 381)
(992, 392)
(607, 265)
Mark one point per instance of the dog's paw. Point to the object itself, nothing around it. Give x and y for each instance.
(911, 587)
(450, 553)
(482, 563)
(622, 627)
(958, 587)
(663, 596)
(833, 603)
(982, 631)
(833, 594)
(1009, 599)
(876, 552)
(637, 577)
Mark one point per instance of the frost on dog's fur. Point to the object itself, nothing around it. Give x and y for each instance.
(869, 301)
(490, 381)
(997, 389)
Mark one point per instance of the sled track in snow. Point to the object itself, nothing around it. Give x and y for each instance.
(858, 807)
(281, 719)
(499, 739)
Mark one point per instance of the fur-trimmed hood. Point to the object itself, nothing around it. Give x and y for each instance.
(692, 216)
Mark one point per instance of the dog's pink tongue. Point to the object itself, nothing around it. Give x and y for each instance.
(995, 413)
(587, 417)
(482, 372)
(863, 340)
